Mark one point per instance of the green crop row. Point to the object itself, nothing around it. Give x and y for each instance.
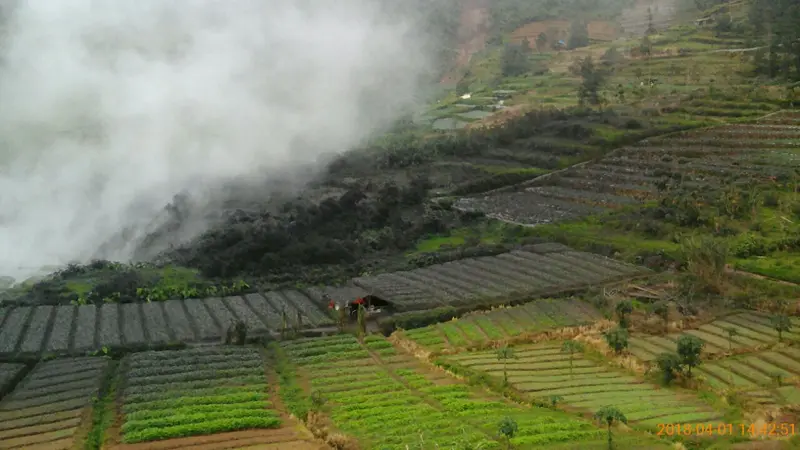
(196, 376)
(347, 379)
(326, 341)
(421, 332)
(194, 360)
(379, 401)
(191, 385)
(432, 342)
(210, 427)
(171, 355)
(170, 369)
(327, 358)
(361, 386)
(489, 328)
(453, 335)
(230, 399)
(559, 436)
(378, 344)
(335, 372)
(471, 330)
(386, 351)
(321, 350)
(214, 391)
(194, 409)
(132, 426)
(374, 338)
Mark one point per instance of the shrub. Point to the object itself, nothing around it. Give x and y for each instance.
(417, 319)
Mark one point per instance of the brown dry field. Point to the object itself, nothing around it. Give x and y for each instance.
(598, 30)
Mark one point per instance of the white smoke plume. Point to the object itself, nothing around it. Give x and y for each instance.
(108, 108)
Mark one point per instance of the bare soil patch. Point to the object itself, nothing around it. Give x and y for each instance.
(472, 34)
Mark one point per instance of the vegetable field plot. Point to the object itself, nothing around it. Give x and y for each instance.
(749, 330)
(534, 271)
(48, 406)
(753, 371)
(480, 328)
(390, 407)
(75, 330)
(172, 394)
(709, 157)
(543, 371)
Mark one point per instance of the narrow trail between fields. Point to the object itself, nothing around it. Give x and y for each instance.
(288, 421)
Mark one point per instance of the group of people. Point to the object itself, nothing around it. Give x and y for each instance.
(332, 305)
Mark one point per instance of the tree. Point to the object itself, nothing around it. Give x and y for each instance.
(731, 333)
(525, 46)
(777, 378)
(670, 366)
(504, 354)
(236, 333)
(571, 347)
(541, 41)
(462, 87)
(617, 339)
(661, 309)
(508, 428)
(775, 22)
(611, 58)
(609, 415)
(515, 60)
(624, 309)
(284, 323)
(554, 399)
(299, 322)
(689, 349)
(317, 401)
(593, 79)
(578, 35)
(362, 320)
(651, 29)
(646, 46)
(781, 323)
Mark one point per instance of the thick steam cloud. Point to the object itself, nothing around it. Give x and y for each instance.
(109, 108)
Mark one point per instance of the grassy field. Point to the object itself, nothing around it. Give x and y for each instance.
(544, 371)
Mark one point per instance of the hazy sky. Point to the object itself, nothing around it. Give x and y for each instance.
(110, 107)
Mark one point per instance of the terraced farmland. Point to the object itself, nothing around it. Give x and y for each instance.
(753, 371)
(634, 20)
(752, 330)
(542, 371)
(47, 409)
(530, 272)
(389, 402)
(29, 331)
(480, 328)
(171, 394)
(704, 159)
